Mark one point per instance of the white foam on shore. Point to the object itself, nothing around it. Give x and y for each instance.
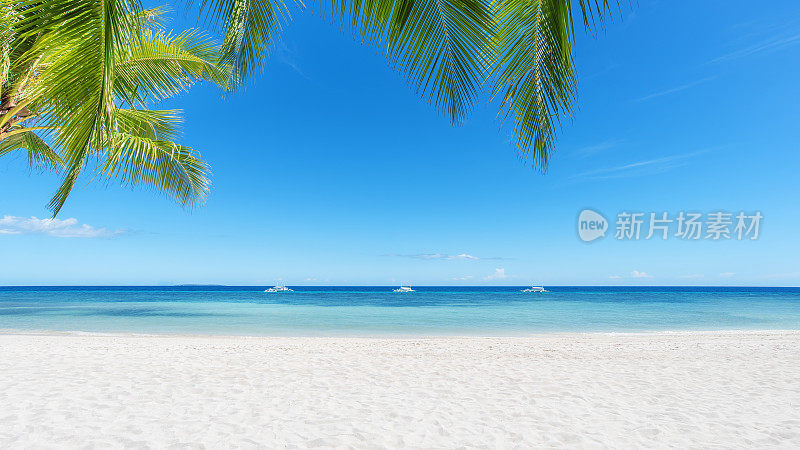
(682, 389)
(18, 332)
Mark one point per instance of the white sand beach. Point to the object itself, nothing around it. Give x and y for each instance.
(729, 389)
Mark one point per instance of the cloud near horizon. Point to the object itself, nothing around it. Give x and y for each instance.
(634, 274)
(637, 274)
(446, 257)
(64, 228)
(499, 274)
(464, 278)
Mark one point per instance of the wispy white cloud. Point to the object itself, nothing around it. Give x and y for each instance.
(782, 275)
(66, 228)
(499, 274)
(639, 168)
(460, 257)
(602, 71)
(448, 257)
(673, 90)
(289, 57)
(634, 274)
(595, 148)
(464, 278)
(727, 274)
(771, 43)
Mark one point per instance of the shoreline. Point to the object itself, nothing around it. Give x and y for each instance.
(686, 389)
(78, 333)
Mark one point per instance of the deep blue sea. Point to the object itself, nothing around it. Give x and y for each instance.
(370, 311)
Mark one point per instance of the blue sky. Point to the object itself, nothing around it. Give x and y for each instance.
(328, 169)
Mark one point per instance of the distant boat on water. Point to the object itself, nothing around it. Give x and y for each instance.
(278, 288)
(534, 289)
(403, 289)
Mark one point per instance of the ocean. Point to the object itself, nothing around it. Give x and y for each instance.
(377, 311)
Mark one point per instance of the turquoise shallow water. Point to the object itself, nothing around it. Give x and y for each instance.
(368, 311)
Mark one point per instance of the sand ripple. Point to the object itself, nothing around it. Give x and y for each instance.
(667, 390)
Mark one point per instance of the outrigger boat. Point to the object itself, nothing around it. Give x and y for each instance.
(278, 288)
(534, 289)
(403, 289)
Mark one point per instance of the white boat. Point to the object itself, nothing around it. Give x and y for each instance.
(534, 289)
(403, 289)
(278, 288)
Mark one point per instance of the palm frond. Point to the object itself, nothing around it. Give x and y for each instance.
(593, 12)
(443, 46)
(71, 177)
(90, 56)
(79, 39)
(157, 66)
(173, 169)
(250, 29)
(40, 155)
(534, 69)
(157, 125)
(152, 18)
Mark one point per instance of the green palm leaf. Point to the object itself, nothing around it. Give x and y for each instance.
(156, 66)
(534, 68)
(171, 168)
(250, 29)
(40, 155)
(90, 56)
(443, 46)
(80, 96)
(150, 124)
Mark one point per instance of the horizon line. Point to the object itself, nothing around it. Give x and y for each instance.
(389, 285)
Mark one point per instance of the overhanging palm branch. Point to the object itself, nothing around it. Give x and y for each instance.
(249, 29)
(143, 153)
(93, 56)
(40, 155)
(69, 65)
(156, 66)
(534, 70)
(161, 164)
(443, 46)
(449, 50)
(452, 48)
(148, 123)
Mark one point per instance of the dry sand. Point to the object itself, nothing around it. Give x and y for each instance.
(729, 389)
